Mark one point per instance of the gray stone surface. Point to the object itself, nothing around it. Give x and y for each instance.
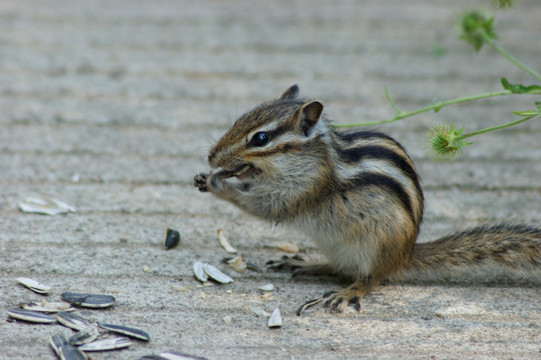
(131, 94)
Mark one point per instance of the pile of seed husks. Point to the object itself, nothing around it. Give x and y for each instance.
(89, 336)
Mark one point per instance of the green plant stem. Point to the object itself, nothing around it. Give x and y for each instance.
(498, 127)
(508, 56)
(401, 114)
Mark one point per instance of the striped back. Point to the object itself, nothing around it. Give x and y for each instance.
(369, 158)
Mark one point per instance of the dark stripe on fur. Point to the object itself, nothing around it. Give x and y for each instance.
(381, 153)
(315, 148)
(352, 136)
(279, 131)
(366, 179)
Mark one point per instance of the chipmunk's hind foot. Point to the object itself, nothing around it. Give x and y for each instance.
(337, 302)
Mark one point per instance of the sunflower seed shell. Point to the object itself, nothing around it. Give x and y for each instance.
(199, 272)
(225, 243)
(31, 316)
(56, 342)
(253, 267)
(275, 320)
(172, 239)
(34, 285)
(45, 205)
(267, 287)
(45, 306)
(64, 350)
(70, 352)
(84, 336)
(174, 355)
(238, 264)
(88, 300)
(107, 344)
(125, 330)
(216, 274)
(286, 247)
(72, 321)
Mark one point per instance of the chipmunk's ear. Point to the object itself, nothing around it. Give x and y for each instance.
(309, 114)
(290, 93)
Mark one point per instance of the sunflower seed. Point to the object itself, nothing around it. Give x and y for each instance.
(107, 344)
(151, 357)
(45, 306)
(172, 239)
(290, 248)
(275, 320)
(125, 330)
(85, 336)
(253, 267)
(267, 287)
(64, 350)
(56, 342)
(69, 352)
(32, 316)
(34, 285)
(216, 274)
(173, 355)
(72, 321)
(88, 300)
(45, 205)
(199, 272)
(238, 264)
(225, 243)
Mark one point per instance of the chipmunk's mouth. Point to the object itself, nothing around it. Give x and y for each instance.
(243, 176)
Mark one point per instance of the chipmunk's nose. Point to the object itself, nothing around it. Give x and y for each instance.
(218, 156)
(214, 159)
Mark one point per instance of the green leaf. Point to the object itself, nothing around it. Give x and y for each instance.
(520, 89)
(391, 102)
(436, 104)
(527, 113)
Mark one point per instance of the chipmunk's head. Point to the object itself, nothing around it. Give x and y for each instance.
(278, 148)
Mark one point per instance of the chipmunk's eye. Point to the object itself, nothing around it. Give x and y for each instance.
(259, 139)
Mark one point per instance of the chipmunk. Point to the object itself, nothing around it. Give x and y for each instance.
(356, 194)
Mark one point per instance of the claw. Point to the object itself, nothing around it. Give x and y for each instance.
(307, 305)
(356, 303)
(279, 264)
(328, 294)
(338, 301)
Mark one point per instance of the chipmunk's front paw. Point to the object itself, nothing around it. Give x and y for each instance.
(200, 182)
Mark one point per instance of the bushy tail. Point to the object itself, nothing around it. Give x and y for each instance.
(515, 247)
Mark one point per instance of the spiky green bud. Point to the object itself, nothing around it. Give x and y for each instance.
(445, 142)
